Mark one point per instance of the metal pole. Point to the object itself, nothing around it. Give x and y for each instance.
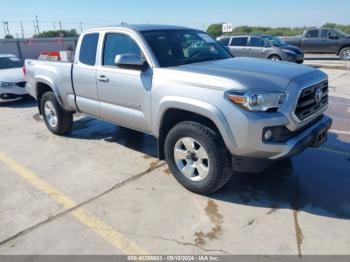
(7, 26)
(37, 24)
(81, 27)
(3, 24)
(34, 28)
(60, 25)
(22, 29)
(54, 26)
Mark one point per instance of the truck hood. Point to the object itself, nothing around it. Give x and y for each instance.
(11, 75)
(237, 73)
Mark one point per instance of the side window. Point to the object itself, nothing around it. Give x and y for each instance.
(88, 49)
(325, 33)
(117, 44)
(239, 41)
(312, 34)
(257, 42)
(225, 41)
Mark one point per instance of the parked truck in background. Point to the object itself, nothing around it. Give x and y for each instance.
(211, 113)
(322, 40)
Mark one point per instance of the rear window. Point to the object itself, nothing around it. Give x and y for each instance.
(88, 49)
(10, 62)
(312, 34)
(239, 41)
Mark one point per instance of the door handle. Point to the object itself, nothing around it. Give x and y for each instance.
(102, 78)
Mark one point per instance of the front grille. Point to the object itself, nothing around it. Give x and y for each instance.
(21, 84)
(307, 103)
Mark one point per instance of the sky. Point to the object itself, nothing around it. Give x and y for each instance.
(192, 13)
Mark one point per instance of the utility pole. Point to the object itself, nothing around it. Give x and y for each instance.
(37, 24)
(34, 28)
(7, 27)
(22, 30)
(81, 27)
(54, 25)
(60, 25)
(3, 24)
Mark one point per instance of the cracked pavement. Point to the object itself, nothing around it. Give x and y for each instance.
(299, 206)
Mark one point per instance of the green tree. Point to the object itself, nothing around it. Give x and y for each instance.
(9, 37)
(58, 33)
(215, 30)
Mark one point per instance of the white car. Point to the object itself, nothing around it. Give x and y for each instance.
(12, 83)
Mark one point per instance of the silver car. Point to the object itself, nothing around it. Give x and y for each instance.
(262, 46)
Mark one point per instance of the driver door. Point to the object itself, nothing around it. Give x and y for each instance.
(124, 93)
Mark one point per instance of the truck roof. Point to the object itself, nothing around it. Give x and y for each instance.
(140, 27)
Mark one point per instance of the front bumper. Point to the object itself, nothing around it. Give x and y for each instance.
(313, 136)
(12, 93)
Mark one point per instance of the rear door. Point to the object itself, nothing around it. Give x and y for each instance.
(311, 42)
(239, 46)
(84, 75)
(256, 47)
(124, 93)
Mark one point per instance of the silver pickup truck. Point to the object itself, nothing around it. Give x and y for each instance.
(211, 113)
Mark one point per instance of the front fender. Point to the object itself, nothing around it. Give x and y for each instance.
(196, 106)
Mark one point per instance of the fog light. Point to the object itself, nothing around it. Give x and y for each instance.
(268, 134)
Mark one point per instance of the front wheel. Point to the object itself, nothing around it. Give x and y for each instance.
(57, 120)
(345, 54)
(197, 157)
(275, 58)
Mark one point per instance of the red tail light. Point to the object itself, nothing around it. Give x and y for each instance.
(24, 70)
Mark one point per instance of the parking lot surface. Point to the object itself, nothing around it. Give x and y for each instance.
(101, 190)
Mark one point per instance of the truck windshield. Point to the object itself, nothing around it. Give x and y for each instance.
(10, 62)
(274, 40)
(179, 47)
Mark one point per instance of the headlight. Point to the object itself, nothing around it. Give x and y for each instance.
(7, 84)
(290, 52)
(257, 101)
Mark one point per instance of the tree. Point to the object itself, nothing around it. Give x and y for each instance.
(58, 33)
(215, 30)
(9, 37)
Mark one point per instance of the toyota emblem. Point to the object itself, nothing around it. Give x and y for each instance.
(318, 95)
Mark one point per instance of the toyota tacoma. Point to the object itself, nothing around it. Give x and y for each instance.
(212, 114)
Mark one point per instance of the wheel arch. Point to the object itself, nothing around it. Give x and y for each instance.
(342, 47)
(43, 85)
(176, 110)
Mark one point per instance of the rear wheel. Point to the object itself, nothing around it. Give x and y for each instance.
(57, 120)
(345, 54)
(197, 157)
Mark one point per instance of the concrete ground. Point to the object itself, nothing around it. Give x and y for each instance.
(100, 190)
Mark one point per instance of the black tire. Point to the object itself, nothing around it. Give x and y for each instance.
(275, 57)
(344, 54)
(220, 169)
(64, 118)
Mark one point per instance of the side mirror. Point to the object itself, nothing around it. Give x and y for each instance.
(129, 61)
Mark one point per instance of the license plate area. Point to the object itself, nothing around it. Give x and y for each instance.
(320, 136)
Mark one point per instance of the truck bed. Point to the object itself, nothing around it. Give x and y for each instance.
(54, 73)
